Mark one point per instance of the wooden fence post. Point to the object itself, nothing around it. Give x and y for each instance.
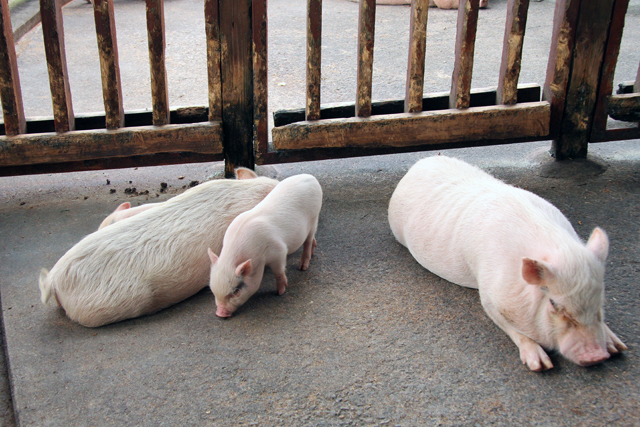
(584, 69)
(236, 64)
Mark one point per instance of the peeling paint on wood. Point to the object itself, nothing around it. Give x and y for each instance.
(10, 91)
(624, 107)
(212, 30)
(366, 34)
(109, 67)
(96, 144)
(237, 83)
(260, 82)
(53, 33)
(314, 55)
(560, 57)
(417, 47)
(465, 47)
(588, 56)
(156, 38)
(406, 129)
(512, 51)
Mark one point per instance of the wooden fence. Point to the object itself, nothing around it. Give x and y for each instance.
(572, 107)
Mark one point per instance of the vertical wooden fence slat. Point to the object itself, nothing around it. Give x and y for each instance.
(465, 45)
(53, 33)
(260, 81)
(109, 67)
(212, 30)
(507, 92)
(417, 47)
(563, 40)
(591, 37)
(610, 60)
(156, 38)
(314, 64)
(237, 83)
(10, 92)
(366, 30)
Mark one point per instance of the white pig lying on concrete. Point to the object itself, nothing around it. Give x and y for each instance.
(537, 280)
(151, 260)
(285, 220)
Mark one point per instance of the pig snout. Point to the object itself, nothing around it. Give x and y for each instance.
(223, 312)
(593, 357)
(583, 350)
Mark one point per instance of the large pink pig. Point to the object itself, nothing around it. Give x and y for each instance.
(285, 220)
(151, 260)
(537, 280)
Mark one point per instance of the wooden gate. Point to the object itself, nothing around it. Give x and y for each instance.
(572, 107)
(572, 112)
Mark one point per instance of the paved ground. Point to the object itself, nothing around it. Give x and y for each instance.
(365, 336)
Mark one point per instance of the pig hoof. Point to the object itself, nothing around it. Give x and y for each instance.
(536, 359)
(614, 344)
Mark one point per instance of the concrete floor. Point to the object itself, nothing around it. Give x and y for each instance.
(364, 337)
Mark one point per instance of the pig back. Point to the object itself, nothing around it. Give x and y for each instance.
(429, 213)
(154, 259)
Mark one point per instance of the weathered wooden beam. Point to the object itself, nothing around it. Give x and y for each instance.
(417, 47)
(212, 30)
(237, 83)
(53, 34)
(433, 101)
(465, 47)
(366, 35)
(109, 67)
(260, 81)
(156, 39)
(560, 57)
(314, 55)
(605, 87)
(624, 107)
(10, 91)
(512, 51)
(97, 144)
(406, 129)
(636, 84)
(158, 159)
(588, 57)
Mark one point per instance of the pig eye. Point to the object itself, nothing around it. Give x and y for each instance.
(238, 288)
(553, 304)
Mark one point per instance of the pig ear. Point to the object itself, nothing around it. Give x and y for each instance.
(244, 173)
(244, 269)
(599, 244)
(213, 257)
(535, 272)
(123, 206)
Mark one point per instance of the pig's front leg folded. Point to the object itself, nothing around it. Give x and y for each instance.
(614, 344)
(531, 353)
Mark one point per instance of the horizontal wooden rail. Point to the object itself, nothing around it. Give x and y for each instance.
(406, 129)
(434, 101)
(624, 107)
(96, 144)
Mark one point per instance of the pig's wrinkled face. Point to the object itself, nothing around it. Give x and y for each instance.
(574, 301)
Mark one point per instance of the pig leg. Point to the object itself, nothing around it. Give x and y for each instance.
(278, 267)
(614, 344)
(531, 353)
(308, 248)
